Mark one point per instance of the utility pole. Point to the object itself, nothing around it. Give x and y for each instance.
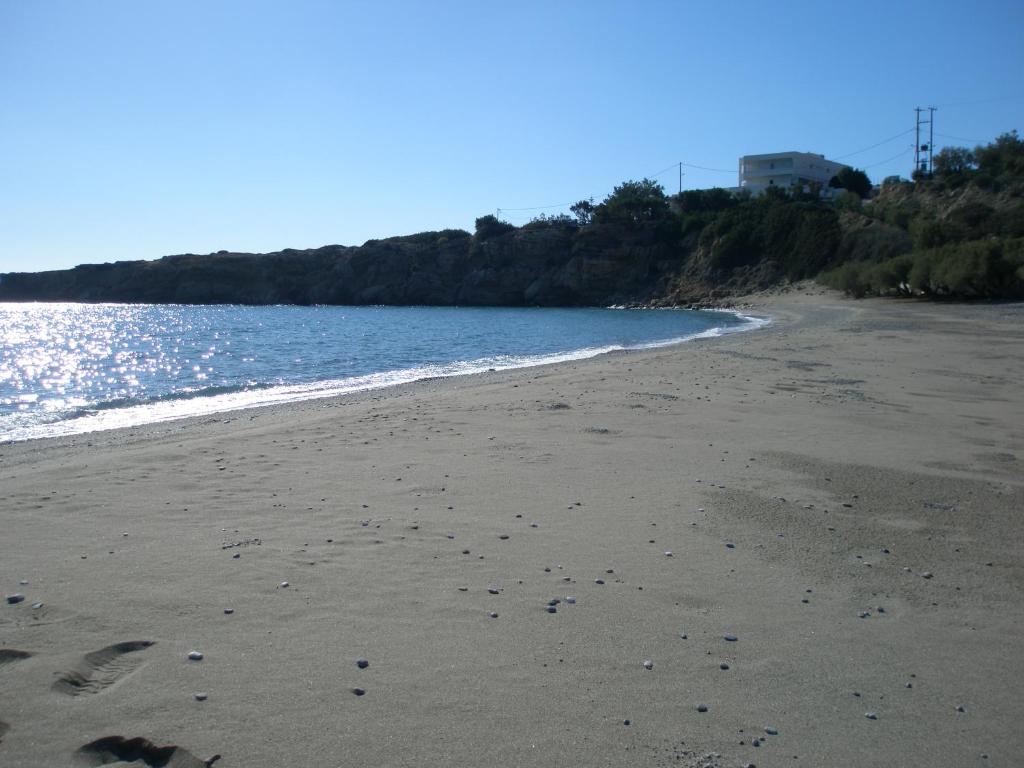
(931, 138)
(680, 177)
(923, 167)
(917, 141)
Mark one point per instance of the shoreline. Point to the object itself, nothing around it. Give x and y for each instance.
(839, 491)
(174, 407)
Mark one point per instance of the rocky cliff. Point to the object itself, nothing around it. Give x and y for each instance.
(556, 265)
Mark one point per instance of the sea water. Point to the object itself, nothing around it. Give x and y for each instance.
(75, 368)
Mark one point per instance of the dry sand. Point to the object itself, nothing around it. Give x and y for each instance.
(842, 492)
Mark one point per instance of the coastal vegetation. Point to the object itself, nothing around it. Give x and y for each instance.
(958, 234)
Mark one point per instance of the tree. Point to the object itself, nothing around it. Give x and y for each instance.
(491, 226)
(632, 203)
(583, 211)
(953, 161)
(854, 180)
(1003, 157)
(705, 200)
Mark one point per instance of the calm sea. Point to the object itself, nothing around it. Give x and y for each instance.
(74, 368)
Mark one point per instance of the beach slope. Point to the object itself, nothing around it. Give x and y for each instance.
(799, 546)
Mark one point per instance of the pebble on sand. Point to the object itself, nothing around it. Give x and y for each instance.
(570, 600)
(362, 663)
(283, 584)
(200, 696)
(599, 581)
(771, 731)
(702, 707)
(648, 664)
(195, 656)
(493, 614)
(730, 638)
(871, 715)
(359, 691)
(229, 611)
(15, 598)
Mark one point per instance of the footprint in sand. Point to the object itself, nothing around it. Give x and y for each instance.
(11, 655)
(119, 750)
(101, 669)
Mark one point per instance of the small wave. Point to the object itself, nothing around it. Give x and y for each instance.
(206, 401)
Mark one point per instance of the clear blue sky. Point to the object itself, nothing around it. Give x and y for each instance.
(131, 130)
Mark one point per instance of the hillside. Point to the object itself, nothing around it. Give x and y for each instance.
(957, 235)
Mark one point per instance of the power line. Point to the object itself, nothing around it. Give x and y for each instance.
(958, 138)
(889, 160)
(663, 170)
(704, 168)
(540, 207)
(981, 101)
(884, 141)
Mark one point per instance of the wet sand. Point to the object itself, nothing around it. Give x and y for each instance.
(841, 493)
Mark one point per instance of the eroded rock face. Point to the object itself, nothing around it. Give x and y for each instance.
(546, 267)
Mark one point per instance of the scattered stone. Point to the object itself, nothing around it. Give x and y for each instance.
(771, 731)
(625, 722)
(960, 708)
(359, 691)
(229, 611)
(755, 742)
(503, 536)
(730, 638)
(684, 636)
(493, 590)
(570, 600)
(599, 581)
(648, 664)
(362, 663)
(668, 553)
(195, 656)
(493, 615)
(730, 545)
(927, 575)
(552, 609)
(36, 606)
(723, 666)
(871, 715)
(200, 696)
(864, 614)
(15, 599)
(284, 585)
(702, 707)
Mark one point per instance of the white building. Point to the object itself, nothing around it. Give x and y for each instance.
(786, 169)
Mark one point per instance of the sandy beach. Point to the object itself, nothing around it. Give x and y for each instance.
(798, 546)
